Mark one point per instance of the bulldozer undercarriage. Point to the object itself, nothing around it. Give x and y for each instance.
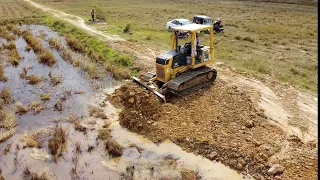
(183, 84)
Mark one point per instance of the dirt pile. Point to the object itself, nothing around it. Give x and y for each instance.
(141, 107)
(221, 123)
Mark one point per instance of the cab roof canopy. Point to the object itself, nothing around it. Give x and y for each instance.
(202, 16)
(192, 28)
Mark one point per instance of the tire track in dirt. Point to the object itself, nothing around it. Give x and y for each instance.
(294, 111)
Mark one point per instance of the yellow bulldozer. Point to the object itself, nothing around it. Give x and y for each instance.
(182, 69)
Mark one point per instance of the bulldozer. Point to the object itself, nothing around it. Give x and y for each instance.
(183, 69)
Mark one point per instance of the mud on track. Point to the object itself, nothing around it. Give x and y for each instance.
(222, 123)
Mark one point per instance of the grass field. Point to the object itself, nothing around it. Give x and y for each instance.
(268, 39)
(16, 10)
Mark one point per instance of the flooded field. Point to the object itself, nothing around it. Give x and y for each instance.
(65, 128)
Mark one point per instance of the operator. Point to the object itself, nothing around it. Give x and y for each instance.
(92, 14)
(198, 39)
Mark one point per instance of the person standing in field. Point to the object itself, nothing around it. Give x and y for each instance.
(92, 14)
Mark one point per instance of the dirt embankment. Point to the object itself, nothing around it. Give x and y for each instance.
(221, 123)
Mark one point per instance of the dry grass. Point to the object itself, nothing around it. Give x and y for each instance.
(75, 162)
(106, 124)
(15, 29)
(28, 47)
(55, 80)
(6, 35)
(5, 95)
(93, 71)
(36, 107)
(97, 113)
(3, 32)
(31, 139)
(117, 72)
(33, 42)
(27, 174)
(113, 148)
(57, 143)
(23, 74)
(104, 134)
(20, 108)
(188, 174)
(3, 77)
(55, 43)
(45, 97)
(66, 55)
(75, 45)
(58, 105)
(47, 58)
(11, 45)
(1, 177)
(7, 123)
(34, 79)
(74, 119)
(14, 57)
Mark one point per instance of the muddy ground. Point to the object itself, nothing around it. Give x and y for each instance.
(73, 132)
(231, 122)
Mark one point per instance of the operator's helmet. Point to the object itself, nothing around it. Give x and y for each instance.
(218, 20)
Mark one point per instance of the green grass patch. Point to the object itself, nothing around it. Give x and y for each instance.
(97, 50)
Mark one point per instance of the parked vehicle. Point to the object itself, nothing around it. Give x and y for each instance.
(176, 23)
(201, 19)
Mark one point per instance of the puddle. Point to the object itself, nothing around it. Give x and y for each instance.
(72, 79)
(153, 156)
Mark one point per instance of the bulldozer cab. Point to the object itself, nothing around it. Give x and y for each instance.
(185, 53)
(197, 49)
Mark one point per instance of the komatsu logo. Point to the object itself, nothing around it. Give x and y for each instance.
(175, 65)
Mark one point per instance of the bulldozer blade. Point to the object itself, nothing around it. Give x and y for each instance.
(150, 88)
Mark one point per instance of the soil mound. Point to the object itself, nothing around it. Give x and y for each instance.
(221, 123)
